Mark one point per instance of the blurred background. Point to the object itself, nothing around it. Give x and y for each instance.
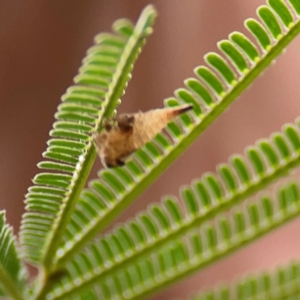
(42, 45)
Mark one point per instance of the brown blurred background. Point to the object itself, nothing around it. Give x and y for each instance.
(42, 44)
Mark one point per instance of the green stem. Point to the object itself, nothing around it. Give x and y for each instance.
(68, 207)
(62, 222)
(9, 286)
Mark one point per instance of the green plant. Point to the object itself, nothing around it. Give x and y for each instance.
(165, 243)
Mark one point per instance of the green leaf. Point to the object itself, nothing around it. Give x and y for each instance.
(269, 152)
(157, 228)
(190, 201)
(200, 90)
(234, 55)
(220, 65)
(259, 33)
(281, 144)
(85, 104)
(208, 76)
(12, 271)
(240, 166)
(187, 97)
(282, 283)
(201, 206)
(282, 11)
(245, 45)
(192, 252)
(144, 168)
(296, 5)
(228, 177)
(256, 160)
(292, 134)
(270, 21)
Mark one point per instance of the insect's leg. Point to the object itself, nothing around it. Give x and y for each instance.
(107, 124)
(109, 166)
(107, 163)
(120, 162)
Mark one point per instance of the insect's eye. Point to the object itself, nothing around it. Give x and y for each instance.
(107, 126)
(130, 119)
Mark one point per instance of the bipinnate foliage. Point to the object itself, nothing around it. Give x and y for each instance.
(180, 235)
(12, 272)
(70, 153)
(283, 283)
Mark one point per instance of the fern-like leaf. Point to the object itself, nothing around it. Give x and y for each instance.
(12, 272)
(180, 258)
(206, 198)
(283, 283)
(70, 153)
(210, 96)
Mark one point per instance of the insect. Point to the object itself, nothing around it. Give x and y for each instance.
(128, 132)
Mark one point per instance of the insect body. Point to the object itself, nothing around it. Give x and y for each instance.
(128, 132)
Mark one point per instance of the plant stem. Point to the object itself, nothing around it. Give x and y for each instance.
(9, 286)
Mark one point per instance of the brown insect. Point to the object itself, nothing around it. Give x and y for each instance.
(128, 132)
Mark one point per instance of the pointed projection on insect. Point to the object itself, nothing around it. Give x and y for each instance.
(128, 132)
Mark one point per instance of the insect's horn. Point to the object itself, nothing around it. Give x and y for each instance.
(182, 109)
(148, 124)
